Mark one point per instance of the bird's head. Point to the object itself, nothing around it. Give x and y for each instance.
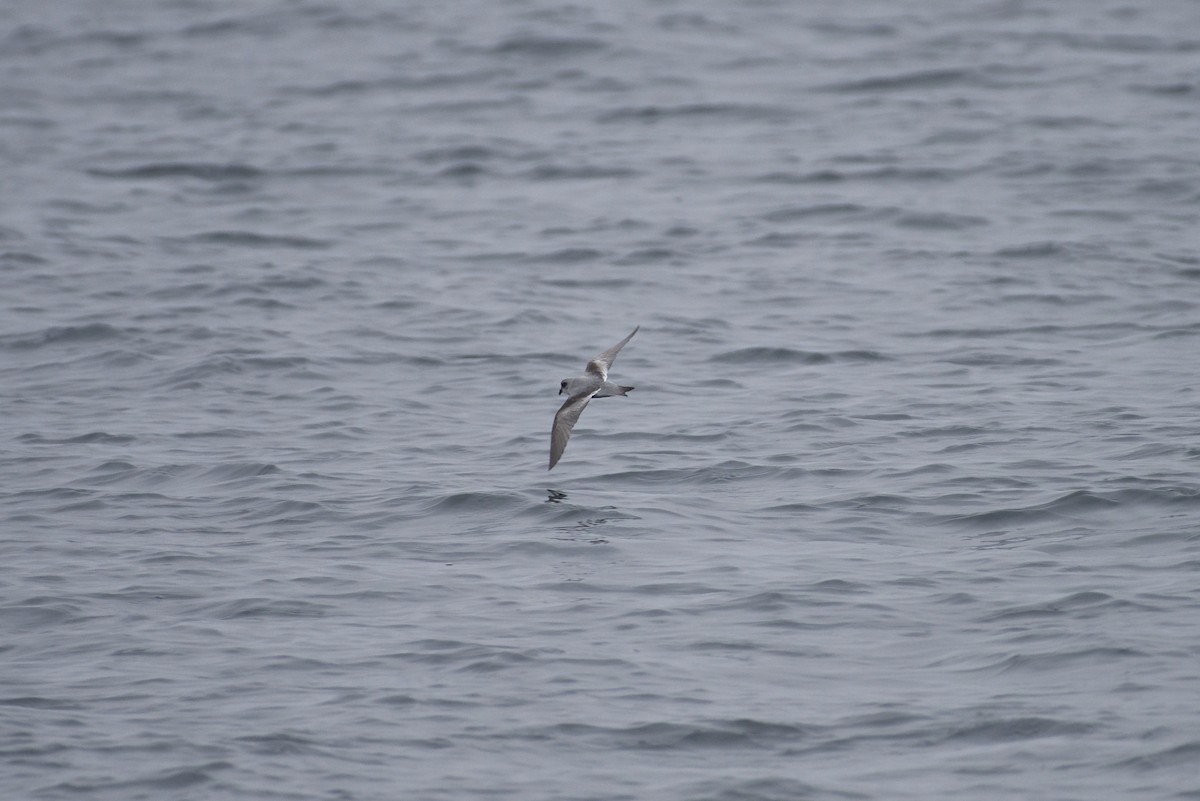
(562, 387)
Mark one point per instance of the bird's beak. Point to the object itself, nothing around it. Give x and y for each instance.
(560, 390)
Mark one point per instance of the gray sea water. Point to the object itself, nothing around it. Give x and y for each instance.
(906, 504)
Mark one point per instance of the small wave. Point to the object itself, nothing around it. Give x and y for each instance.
(854, 27)
(940, 221)
(791, 508)
(90, 504)
(830, 175)
(588, 283)
(795, 213)
(921, 79)
(647, 256)
(239, 470)
(64, 334)
(276, 362)
(1033, 250)
(1002, 359)
(1186, 755)
(781, 355)
(458, 154)
(1010, 729)
(567, 256)
(100, 437)
(170, 779)
(1041, 330)
(120, 357)
(769, 355)
(1180, 89)
(1134, 43)
(765, 789)
(213, 433)
(37, 617)
(37, 701)
(262, 608)
(201, 170)
(1071, 503)
(250, 239)
(280, 743)
(730, 733)
(464, 170)
(548, 46)
(465, 656)
(393, 83)
(1102, 215)
(476, 501)
(13, 258)
(114, 466)
(236, 362)
(274, 282)
(121, 473)
(708, 474)
(1058, 660)
(839, 587)
(1073, 605)
(960, 430)
(734, 111)
(1078, 503)
(578, 172)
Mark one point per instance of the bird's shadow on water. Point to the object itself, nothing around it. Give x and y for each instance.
(586, 525)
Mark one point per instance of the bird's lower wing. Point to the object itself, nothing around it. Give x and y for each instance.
(564, 421)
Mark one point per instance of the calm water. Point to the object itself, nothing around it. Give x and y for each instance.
(906, 504)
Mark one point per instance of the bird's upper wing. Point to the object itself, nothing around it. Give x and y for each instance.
(599, 365)
(564, 421)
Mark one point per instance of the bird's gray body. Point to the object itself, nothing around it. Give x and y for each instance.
(586, 384)
(580, 390)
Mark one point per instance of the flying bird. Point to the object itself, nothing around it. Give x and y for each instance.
(580, 390)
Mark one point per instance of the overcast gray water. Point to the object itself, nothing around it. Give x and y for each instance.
(906, 504)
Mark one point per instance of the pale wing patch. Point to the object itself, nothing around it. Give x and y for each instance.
(601, 364)
(597, 368)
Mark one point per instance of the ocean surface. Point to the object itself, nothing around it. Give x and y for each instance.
(906, 504)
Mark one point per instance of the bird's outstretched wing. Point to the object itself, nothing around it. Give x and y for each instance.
(599, 365)
(564, 421)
